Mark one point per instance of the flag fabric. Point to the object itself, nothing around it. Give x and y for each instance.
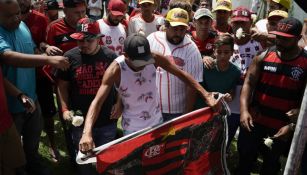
(193, 144)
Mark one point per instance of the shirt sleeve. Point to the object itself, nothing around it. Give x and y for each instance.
(44, 28)
(4, 46)
(194, 64)
(64, 75)
(130, 27)
(49, 35)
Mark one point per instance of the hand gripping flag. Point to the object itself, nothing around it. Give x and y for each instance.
(193, 144)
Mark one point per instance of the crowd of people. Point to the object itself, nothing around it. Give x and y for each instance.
(147, 62)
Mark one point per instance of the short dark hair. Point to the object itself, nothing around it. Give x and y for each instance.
(183, 4)
(224, 39)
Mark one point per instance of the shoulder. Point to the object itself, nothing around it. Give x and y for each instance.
(188, 42)
(261, 23)
(235, 69)
(74, 56)
(23, 28)
(153, 35)
(100, 20)
(108, 52)
(39, 15)
(113, 71)
(56, 23)
(135, 18)
(158, 17)
(74, 52)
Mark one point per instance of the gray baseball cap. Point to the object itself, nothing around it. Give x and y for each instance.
(202, 12)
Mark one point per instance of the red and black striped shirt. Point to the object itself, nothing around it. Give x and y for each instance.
(58, 34)
(280, 88)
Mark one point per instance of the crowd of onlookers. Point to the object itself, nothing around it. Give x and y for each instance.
(148, 62)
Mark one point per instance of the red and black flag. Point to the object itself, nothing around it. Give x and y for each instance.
(193, 144)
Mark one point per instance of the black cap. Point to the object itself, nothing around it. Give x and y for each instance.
(73, 3)
(288, 27)
(137, 47)
(52, 5)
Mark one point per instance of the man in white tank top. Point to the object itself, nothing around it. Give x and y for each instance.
(114, 32)
(133, 74)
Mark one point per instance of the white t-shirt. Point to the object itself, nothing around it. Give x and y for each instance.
(261, 25)
(242, 58)
(114, 36)
(137, 24)
(172, 91)
(139, 96)
(95, 7)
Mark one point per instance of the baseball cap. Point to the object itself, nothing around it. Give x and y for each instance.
(177, 17)
(223, 5)
(52, 5)
(86, 29)
(278, 13)
(137, 47)
(241, 14)
(117, 7)
(285, 3)
(202, 12)
(144, 1)
(288, 27)
(73, 3)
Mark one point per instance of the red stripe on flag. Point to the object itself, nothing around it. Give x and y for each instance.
(167, 156)
(177, 143)
(201, 165)
(166, 169)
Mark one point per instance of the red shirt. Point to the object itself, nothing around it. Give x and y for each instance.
(58, 34)
(37, 23)
(205, 47)
(5, 117)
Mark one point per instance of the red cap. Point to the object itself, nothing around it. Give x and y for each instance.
(241, 14)
(117, 7)
(86, 29)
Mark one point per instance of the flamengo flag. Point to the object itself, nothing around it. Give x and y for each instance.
(193, 144)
